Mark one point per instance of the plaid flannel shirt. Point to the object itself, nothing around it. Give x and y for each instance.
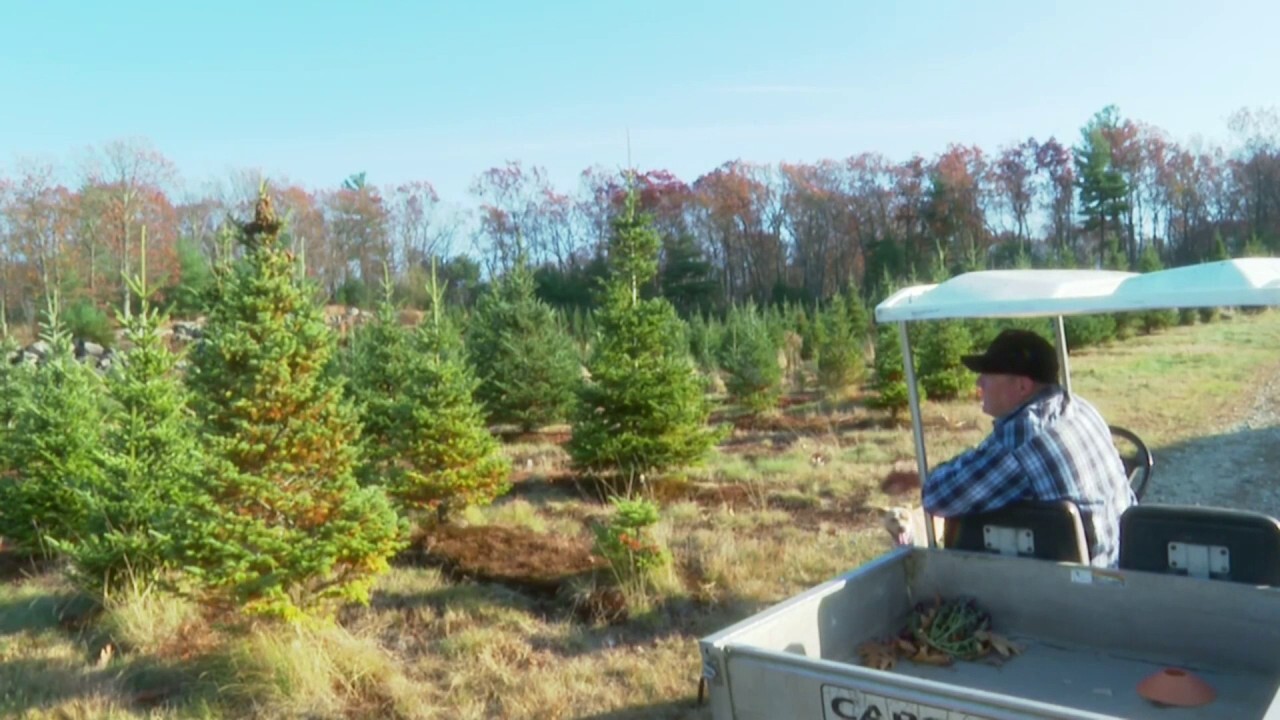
(1053, 447)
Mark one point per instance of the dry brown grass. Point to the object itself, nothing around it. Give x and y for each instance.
(777, 510)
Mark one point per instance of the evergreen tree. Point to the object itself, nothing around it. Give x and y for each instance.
(373, 363)
(940, 348)
(705, 336)
(287, 530)
(643, 410)
(749, 357)
(840, 341)
(54, 448)
(890, 383)
(152, 459)
(436, 452)
(1085, 330)
(807, 327)
(1104, 192)
(193, 290)
(527, 365)
(687, 277)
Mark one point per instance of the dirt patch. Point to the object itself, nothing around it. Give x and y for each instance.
(811, 423)
(517, 557)
(16, 566)
(533, 437)
(807, 512)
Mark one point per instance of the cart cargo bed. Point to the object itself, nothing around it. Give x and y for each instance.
(1089, 636)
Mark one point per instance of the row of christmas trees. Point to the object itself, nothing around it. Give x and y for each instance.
(278, 476)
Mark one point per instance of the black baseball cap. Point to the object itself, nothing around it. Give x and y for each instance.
(1017, 352)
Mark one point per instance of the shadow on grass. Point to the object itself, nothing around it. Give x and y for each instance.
(64, 610)
(672, 710)
(35, 684)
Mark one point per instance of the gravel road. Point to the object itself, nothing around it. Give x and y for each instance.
(1236, 466)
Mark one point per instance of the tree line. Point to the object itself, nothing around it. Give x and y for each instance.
(741, 232)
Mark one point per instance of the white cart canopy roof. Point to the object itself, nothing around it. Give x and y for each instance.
(1047, 293)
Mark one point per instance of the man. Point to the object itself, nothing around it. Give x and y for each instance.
(1045, 445)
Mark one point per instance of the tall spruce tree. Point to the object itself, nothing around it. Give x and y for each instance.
(1104, 192)
(288, 530)
(54, 448)
(526, 362)
(152, 459)
(643, 409)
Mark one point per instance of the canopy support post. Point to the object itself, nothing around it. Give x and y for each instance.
(1064, 363)
(917, 421)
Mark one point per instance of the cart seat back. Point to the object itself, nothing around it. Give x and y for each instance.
(1047, 530)
(1213, 543)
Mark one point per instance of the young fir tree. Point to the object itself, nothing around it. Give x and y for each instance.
(373, 361)
(54, 448)
(287, 530)
(749, 357)
(890, 383)
(706, 334)
(840, 335)
(527, 365)
(434, 451)
(940, 348)
(152, 459)
(643, 410)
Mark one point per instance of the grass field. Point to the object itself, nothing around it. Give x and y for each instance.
(779, 507)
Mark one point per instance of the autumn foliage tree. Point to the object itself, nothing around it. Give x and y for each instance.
(287, 530)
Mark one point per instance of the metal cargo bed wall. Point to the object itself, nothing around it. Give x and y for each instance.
(1083, 629)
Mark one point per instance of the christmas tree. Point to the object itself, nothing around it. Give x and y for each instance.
(288, 530)
(643, 409)
(526, 363)
(152, 459)
(53, 449)
(429, 445)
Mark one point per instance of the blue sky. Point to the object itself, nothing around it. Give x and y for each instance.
(442, 91)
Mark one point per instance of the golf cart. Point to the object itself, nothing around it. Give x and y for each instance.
(1193, 604)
